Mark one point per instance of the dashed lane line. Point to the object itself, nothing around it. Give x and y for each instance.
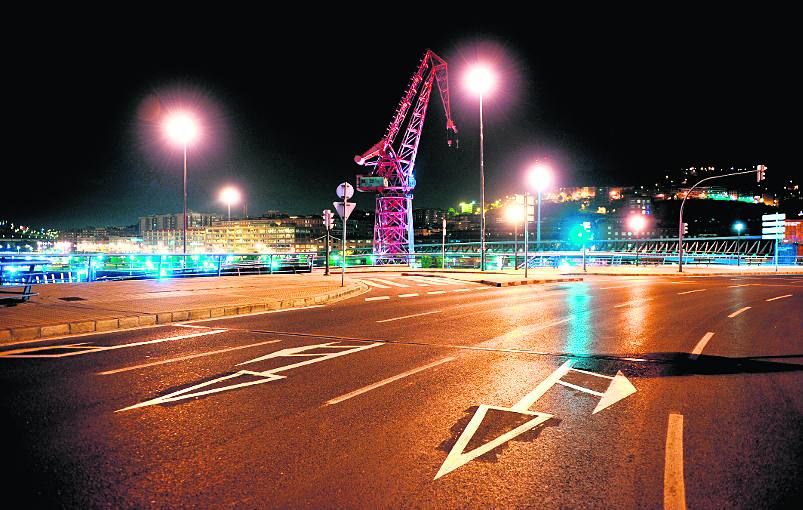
(389, 380)
(437, 292)
(182, 358)
(698, 349)
(461, 290)
(408, 316)
(632, 303)
(414, 294)
(388, 282)
(740, 310)
(779, 297)
(691, 291)
(377, 298)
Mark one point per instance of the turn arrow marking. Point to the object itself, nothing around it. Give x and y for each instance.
(618, 389)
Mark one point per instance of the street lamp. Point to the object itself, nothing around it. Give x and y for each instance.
(540, 177)
(637, 223)
(182, 129)
(738, 227)
(480, 80)
(515, 214)
(229, 196)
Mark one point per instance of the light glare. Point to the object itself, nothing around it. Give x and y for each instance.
(181, 128)
(540, 177)
(480, 80)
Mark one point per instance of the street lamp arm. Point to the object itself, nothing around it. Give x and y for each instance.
(680, 226)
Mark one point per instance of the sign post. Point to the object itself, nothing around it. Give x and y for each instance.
(328, 222)
(773, 226)
(443, 244)
(344, 208)
(527, 219)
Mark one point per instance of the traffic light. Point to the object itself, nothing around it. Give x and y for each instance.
(685, 228)
(760, 170)
(328, 219)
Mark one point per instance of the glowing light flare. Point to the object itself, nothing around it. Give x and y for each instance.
(738, 226)
(514, 213)
(181, 127)
(230, 195)
(637, 222)
(480, 79)
(540, 176)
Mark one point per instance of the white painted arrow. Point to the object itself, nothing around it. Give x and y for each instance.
(618, 389)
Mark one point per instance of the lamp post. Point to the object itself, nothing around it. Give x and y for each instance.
(480, 80)
(540, 178)
(637, 223)
(182, 129)
(229, 196)
(514, 215)
(738, 227)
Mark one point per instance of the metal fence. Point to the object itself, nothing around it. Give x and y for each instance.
(38, 268)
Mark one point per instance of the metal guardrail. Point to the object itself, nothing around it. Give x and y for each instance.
(19, 269)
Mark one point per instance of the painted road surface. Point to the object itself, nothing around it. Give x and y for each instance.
(611, 392)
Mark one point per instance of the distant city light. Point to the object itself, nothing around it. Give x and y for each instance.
(514, 213)
(738, 226)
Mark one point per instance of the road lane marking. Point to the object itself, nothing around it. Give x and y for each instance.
(634, 302)
(740, 310)
(378, 298)
(437, 292)
(591, 373)
(182, 358)
(522, 331)
(395, 284)
(614, 287)
(414, 294)
(674, 484)
(698, 349)
(408, 316)
(419, 281)
(389, 380)
(461, 290)
(86, 349)
(691, 291)
(779, 297)
(267, 376)
(580, 388)
(373, 284)
(742, 285)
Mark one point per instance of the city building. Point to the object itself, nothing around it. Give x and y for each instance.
(175, 221)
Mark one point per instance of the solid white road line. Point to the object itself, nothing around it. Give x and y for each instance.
(437, 292)
(386, 381)
(674, 484)
(377, 298)
(698, 349)
(737, 312)
(635, 302)
(408, 316)
(779, 297)
(388, 282)
(182, 358)
(414, 294)
(691, 291)
(373, 284)
(461, 290)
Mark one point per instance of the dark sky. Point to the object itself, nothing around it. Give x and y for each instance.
(288, 100)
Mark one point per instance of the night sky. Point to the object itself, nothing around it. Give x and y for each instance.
(286, 103)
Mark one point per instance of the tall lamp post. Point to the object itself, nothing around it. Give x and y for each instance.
(738, 227)
(182, 129)
(480, 80)
(229, 196)
(540, 177)
(637, 223)
(514, 214)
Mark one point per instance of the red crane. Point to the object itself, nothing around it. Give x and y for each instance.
(391, 166)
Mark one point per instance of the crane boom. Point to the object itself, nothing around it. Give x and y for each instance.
(393, 224)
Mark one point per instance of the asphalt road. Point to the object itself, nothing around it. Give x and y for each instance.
(625, 392)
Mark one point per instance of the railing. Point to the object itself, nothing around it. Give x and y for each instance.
(20, 269)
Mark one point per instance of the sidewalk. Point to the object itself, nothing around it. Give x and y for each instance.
(73, 308)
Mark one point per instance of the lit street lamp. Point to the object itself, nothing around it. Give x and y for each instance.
(480, 80)
(738, 227)
(230, 196)
(514, 214)
(181, 128)
(540, 178)
(637, 223)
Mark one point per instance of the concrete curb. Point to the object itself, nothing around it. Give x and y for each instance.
(527, 281)
(103, 325)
